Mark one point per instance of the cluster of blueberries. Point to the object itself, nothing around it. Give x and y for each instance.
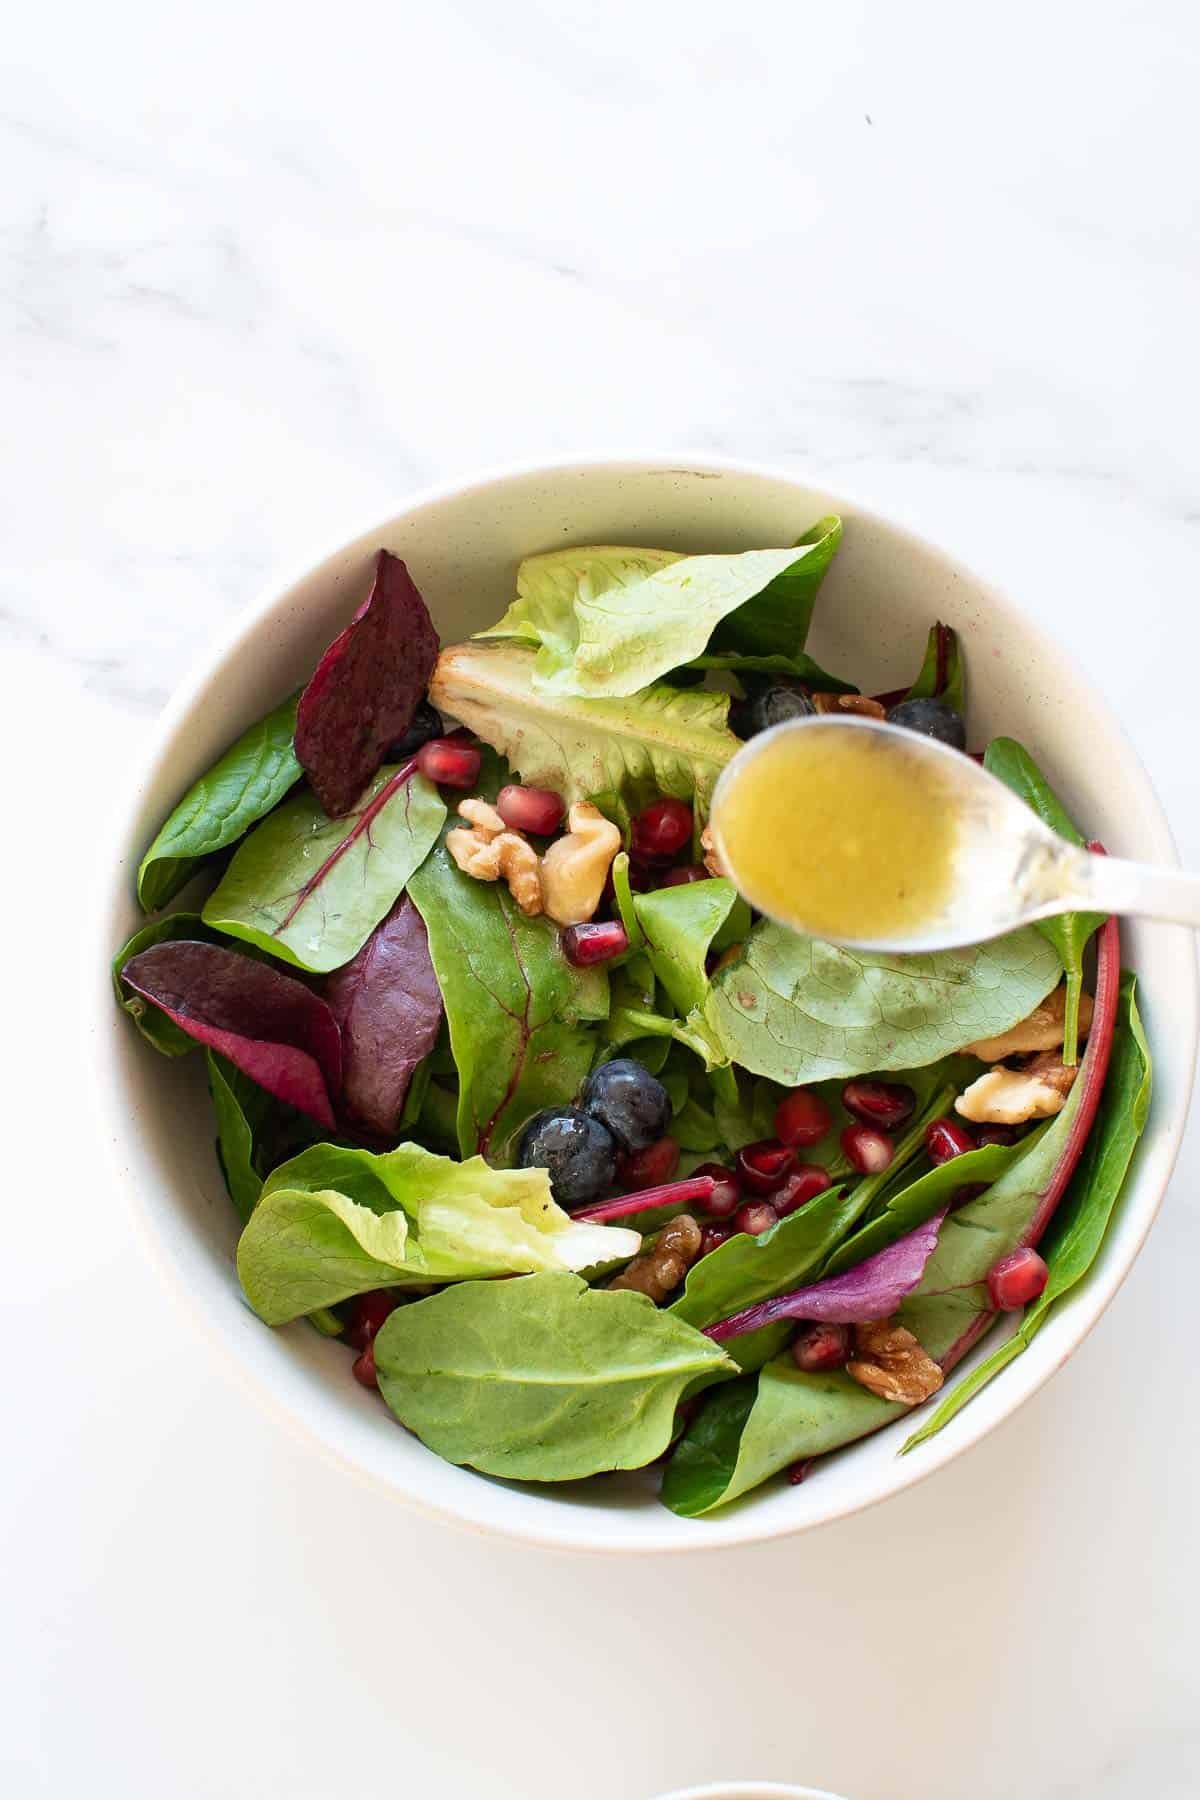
(622, 1109)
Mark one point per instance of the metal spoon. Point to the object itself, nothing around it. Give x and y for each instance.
(1009, 869)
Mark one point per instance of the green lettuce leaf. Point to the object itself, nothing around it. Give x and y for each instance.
(799, 1010)
(1012, 764)
(776, 621)
(608, 620)
(241, 787)
(543, 1379)
(337, 1221)
(661, 740)
(1074, 1239)
(309, 889)
(517, 1010)
(679, 926)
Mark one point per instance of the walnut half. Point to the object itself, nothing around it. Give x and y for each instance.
(575, 867)
(491, 852)
(1013, 1096)
(889, 1361)
(662, 1268)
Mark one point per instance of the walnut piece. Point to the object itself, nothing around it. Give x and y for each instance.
(860, 704)
(1042, 1030)
(661, 1269)
(889, 1361)
(712, 856)
(575, 867)
(1011, 1096)
(491, 852)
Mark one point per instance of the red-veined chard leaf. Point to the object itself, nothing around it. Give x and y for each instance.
(366, 688)
(240, 789)
(515, 1007)
(154, 1025)
(389, 1007)
(267, 1023)
(310, 889)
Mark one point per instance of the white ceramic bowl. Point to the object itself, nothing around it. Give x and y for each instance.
(463, 544)
(749, 1790)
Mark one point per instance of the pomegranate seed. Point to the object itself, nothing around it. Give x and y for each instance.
(801, 1118)
(650, 1167)
(364, 1368)
(762, 1166)
(817, 1347)
(712, 1237)
(662, 831)
(686, 872)
(726, 1196)
(996, 1134)
(963, 1196)
(539, 810)
(800, 1471)
(867, 1150)
(598, 942)
(450, 764)
(946, 1139)
(804, 1183)
(1016, 1280)
(755, 1217)
(883, 1103)
(367, 1313)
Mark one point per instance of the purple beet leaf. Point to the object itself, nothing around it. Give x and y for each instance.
(366, 688)
(271, 1026)
(389, 1007)
(872, 1290)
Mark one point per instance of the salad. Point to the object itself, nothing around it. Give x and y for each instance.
(587, 1167)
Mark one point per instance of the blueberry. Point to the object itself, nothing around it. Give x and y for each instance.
(769, 703)
(626, 1098)
(424, 724)
(932, 718)
(578, 1153)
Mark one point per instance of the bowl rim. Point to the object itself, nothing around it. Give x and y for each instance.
(743, 1524)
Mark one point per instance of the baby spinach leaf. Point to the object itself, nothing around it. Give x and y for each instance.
(943, 675)
(736, 1443)
(744, 1269)
(660, 740)
(388, 1006)
(678, 925)
(270, 1025)
(154, 1025)
(776, 621)
(240, 789)
(1074, 1240)
(366, 688)
(694, 1127)
(799, 1010)
(515, 1006)
(241, 1107)
(542, 1379)
(609, 620)
(311, 890)
(337, 1221)
(1012, 764)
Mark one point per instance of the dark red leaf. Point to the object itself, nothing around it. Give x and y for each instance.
(271, 1026)
(389, 1007)
(366, 689)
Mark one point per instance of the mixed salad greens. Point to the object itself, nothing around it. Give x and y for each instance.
(591, 1169)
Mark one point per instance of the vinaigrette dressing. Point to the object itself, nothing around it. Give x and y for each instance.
(840, 835)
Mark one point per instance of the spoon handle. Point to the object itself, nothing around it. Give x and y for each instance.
(1109, 884)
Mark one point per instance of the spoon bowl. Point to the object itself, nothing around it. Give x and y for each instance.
(879, 838)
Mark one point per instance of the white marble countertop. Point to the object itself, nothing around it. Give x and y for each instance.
(261, 273)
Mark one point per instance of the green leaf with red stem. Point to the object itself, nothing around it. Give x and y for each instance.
(311, 890)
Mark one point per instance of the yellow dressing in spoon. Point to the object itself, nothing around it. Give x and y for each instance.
(839, 832)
